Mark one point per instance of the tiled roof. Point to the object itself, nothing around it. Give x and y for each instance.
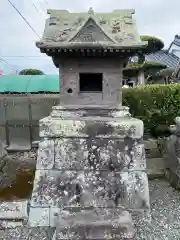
(176, 41)
(169, 58)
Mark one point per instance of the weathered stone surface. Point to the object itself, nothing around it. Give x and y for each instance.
(115, 29)
(39, 217)
(95, 224)
(118, 128)
(165, 206)
(94, 162)
(82, 154)
(13, 210)
(54, 188)
(171, 154)
(45, 157)
(25, 233)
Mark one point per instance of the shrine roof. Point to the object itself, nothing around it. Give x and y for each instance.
(115, 29)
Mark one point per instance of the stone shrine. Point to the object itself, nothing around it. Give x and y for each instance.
(91, 168)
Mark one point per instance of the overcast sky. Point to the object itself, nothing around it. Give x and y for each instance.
(159, 18)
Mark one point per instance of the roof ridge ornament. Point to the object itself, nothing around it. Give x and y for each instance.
(91, 11)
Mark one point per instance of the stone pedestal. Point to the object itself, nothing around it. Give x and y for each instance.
(90, 158)
(95, 224)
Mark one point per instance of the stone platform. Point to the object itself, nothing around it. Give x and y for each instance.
(94, 224)
(89, 158)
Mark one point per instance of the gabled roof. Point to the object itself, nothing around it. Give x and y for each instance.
(62, 26)
(91, 31)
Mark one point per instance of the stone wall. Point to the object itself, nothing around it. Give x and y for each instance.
(112, 80)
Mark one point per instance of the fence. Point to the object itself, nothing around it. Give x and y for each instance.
(20, 115)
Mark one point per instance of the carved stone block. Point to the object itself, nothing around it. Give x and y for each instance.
(39, 217)
(95, 224)
(45, 157)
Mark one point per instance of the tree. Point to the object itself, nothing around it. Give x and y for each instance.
(163, 74)
(132, 69)
(166, 72)
(154, 44)
(31, 72)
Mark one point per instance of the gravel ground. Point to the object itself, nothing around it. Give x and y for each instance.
(165, 207)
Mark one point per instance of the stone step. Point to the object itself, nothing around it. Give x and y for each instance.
(151, 148)
(155, 168)
(13, 214)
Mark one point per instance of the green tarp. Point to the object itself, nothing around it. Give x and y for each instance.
(29, 83)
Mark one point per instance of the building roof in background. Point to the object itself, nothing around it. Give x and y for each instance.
(29, 83)
(176, 40)
(170, 59)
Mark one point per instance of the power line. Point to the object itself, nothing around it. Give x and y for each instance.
(25, 57)
(42, 7)
(28, 58)
(23, 18)
(12, 67)
(35, 7)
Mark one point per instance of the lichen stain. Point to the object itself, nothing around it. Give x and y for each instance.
(94, 129)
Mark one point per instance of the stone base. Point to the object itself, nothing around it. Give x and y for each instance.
(93, 157)
(131, 191)
(95, 224)
(26, 233)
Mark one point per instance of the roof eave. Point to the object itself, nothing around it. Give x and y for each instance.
(104, 45)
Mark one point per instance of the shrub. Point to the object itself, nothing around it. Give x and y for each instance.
(30, 71)
(133, 68)
(156, 105)
(154, 44)
(166, 72)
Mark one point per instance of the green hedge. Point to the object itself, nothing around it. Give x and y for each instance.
(156, 105)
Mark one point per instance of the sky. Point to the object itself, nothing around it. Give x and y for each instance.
(159, 18)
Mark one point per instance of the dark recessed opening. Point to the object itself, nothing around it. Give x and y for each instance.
(69, 90)
(52, 24)
(90, 82)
